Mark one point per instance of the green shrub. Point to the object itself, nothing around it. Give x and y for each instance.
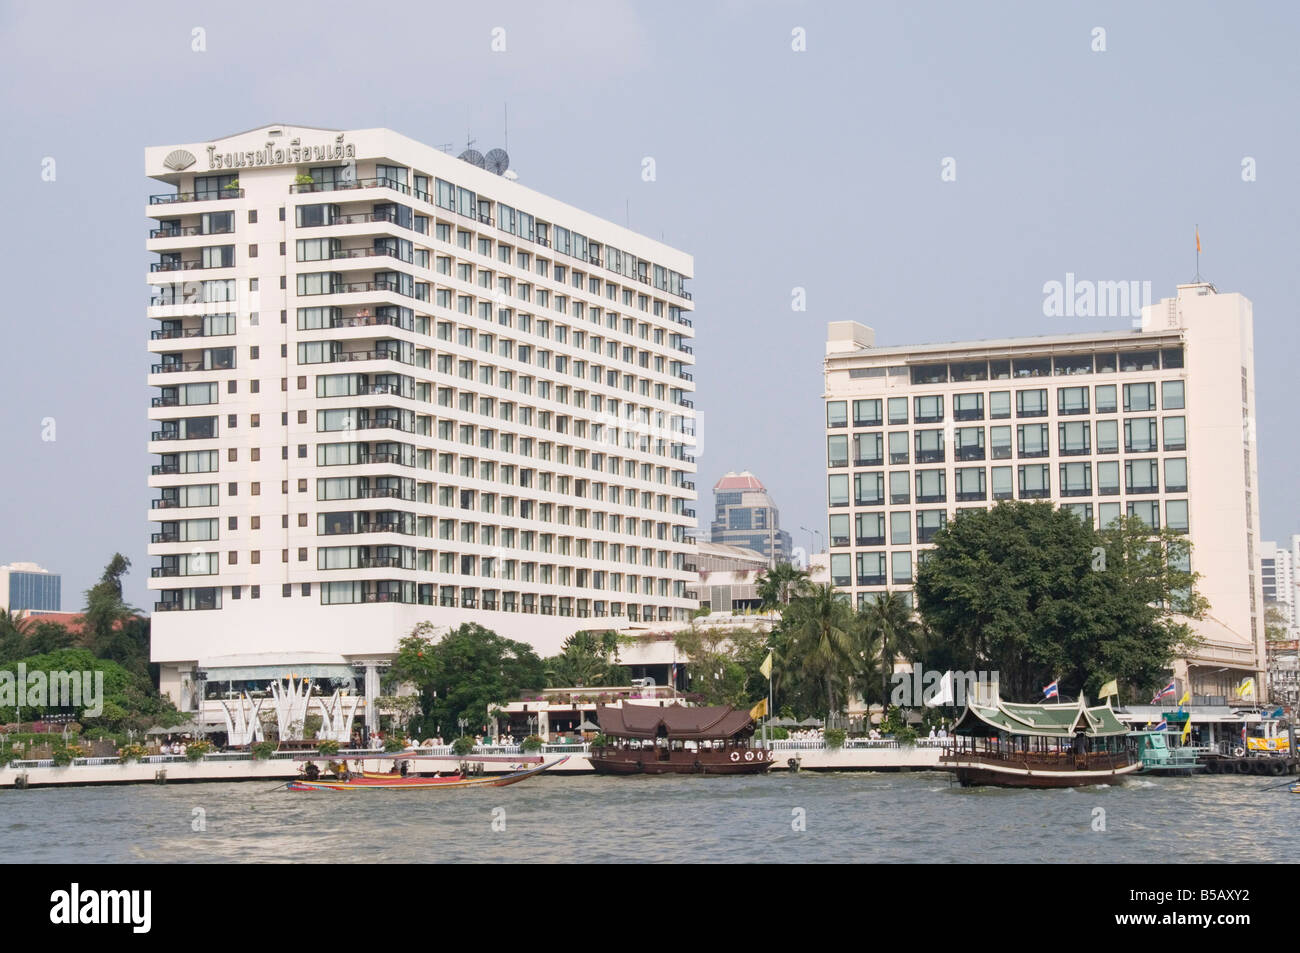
(195, 750)
(906, 735)
(600, 741)
(129, 753)
(462, 746)
(532, 743)
(62, 757)
(834, 737)
(328, 747)
(777, 733)
(262, 750)
(394, 743)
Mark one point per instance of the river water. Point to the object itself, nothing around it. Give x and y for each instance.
(850, 817)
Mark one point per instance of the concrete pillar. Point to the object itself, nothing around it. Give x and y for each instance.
(372, 693)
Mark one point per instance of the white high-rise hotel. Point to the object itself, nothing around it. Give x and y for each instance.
(1157, 423)
(394, 386)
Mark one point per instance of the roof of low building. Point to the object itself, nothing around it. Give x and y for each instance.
(676, 722)
(739, 481)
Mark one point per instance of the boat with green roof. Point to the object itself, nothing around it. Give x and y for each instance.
(1059, 745)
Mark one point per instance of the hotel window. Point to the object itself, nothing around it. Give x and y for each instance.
(901, 567)
(1000, 443)
(868, 449)
(1175, 433)
(841, 564)
(969, 371)
(1176, 475)
(931, 486)
(900, 528)
(1141, 476)
(1083, 511)
(930, 374)
(838, 490)
(898, 448)
(999, 404)
(871, 569)
(929, 446)
(1074, 437)
(837, 451)
(1148, 511)
(1138, 397)
(1031, 403)
(1108, 513)
(1073, 364)
(1072, 400)
(839, 530)
(968, 443)
(836, 410)
(898, 410)
(1140, 361)
(1076, 479)
(870, 529)
(1108, 478)
(1172, 395)
(868, 489)
(968, 407)
(1140, 435)
(1000, 478)
(1176, 515)
(999, 370)
(1032, 440)
(1034, 482)
(929, 410)
(970, 484)
(1033, 367)
(900, 487)
(929, 522)
(1108, 436)
(1106, 399)
(866, 413)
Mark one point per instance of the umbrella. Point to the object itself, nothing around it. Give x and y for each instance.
(588, 726)
(811, 723)
(786, 723)
(158, 730)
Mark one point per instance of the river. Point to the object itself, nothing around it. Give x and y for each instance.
(850, 817)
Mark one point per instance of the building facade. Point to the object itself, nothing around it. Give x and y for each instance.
(1278, 581)
(745, 516)
(27, 588)
(727, 577)
(1156, 423)
(393, 386)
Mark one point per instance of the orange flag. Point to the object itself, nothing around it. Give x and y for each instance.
(1198, 240)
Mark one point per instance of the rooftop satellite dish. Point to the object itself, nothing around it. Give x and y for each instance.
(473, 157)
(510, 174)
(497, 161)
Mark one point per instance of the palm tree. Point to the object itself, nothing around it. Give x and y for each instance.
(825, 638)
(890, 621)
(13, 633)
(781, 583)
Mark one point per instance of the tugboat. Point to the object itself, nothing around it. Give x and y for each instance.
(675, 739)
(1040, 746)
(1159, 758)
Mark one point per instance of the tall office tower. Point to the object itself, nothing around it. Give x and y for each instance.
(394, 385)
(26, 587)
(1156, 423)
(745, 515)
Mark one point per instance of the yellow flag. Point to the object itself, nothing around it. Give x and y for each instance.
(766, 667)
(1110, 688)
(1187, 696)
(1247, 688)
(1187, 730)
(759, 710)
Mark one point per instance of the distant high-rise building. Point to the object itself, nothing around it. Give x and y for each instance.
(745, 515)
(1277, 576)
(27, 587)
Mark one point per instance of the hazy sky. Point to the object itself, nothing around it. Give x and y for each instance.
(776, 168)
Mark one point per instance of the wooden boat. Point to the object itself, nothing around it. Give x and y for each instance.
(370, 781)
(1158, 758)
(1040, 746)
(675, 739)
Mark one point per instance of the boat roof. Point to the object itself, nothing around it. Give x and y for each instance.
(674, 721)
(1063, 720)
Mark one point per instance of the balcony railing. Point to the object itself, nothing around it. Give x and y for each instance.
(359, 218)
(171, 334)
(185, 231)
(196, 264)
(176, 367)
(165, 538)
(301, 188)
(172, 198)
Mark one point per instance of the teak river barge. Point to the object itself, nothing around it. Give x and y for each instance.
(1040, 746)
(674, 739)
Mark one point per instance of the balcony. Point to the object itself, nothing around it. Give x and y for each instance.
(172, 334)
(379, 354)
(165, 538)
(166, 468)
(187, 231)
(172, 198)
(969, 453)
(195, 264)
(176, 367)
(359, 218)
(385, 183)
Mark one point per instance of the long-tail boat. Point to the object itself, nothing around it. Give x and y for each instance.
(675, 739)
(1040, 746)
(390, 782)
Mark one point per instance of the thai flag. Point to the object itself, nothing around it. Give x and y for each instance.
(1167, 690)
(1163, 726)
(1053, 690)
(673, 680)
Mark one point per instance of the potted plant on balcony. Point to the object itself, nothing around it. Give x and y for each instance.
(303, 179)
(532, 744)
(196, 749)
(462, 746)
(261, 750)
(328, 746)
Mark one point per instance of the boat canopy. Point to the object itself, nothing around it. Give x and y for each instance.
(1051, 721)
(717, 722)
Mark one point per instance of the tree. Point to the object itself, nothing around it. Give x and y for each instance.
(1035, 594)
(722, 664)
(1275, 624)
(826, 643)
(111, 628)
(586, 658)
(890, 622)
(783, 582)
(465, 674)
(13, 636)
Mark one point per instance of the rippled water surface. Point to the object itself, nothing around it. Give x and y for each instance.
(853, 817)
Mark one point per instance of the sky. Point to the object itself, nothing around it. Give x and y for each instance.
(921, 168)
